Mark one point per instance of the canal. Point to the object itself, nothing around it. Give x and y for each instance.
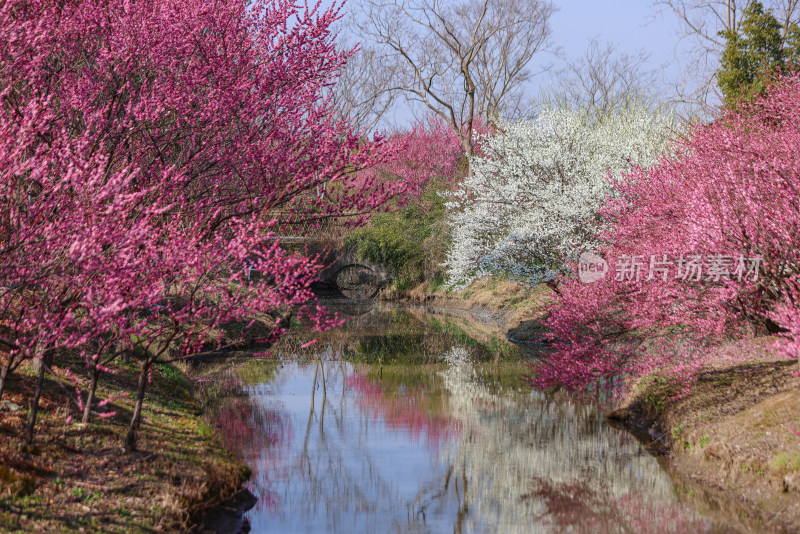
(409, 421)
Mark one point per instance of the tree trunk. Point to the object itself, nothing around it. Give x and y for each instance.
(469, 149)
(3, 376)
(552, 284)
(35, 404)
(130, 438)
(90, 399)
(122, 348)
(728, 24)
(36, 364)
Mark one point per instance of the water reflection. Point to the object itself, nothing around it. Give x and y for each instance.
(415, 409)
(537, 464)
(432, 438)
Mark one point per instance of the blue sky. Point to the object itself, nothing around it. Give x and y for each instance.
(631, 25)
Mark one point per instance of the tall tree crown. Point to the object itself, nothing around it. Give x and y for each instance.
(758, 47)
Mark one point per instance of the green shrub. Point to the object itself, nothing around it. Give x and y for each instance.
(411, 241)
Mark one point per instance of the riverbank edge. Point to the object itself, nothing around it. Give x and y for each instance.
(76, 478)
(513, 308)
(733, 437)
(732, 443)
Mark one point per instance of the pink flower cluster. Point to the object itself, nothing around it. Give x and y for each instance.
(430, 154)
(148, 151)
(730, 190)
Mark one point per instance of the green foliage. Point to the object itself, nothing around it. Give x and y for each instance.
(437, 282)
(791, 48)
(172, 374)
(785, 462)
(751, 54)
(411, 241)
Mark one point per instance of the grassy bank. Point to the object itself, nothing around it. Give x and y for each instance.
(736, 435)
(75, 478)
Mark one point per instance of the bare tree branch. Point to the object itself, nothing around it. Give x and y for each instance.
(702, 23)
(465, 61)
(364, 92)
(601, 80)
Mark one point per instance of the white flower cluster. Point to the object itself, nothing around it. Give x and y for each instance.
(532, 202)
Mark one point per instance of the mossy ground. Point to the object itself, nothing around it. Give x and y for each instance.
(76, 478)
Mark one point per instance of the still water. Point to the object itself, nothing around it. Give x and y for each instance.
(404, 421)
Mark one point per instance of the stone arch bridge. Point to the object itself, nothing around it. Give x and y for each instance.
(343, 275)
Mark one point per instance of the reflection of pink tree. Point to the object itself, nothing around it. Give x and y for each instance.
(578, 507)
(407, 411)
(258, 433)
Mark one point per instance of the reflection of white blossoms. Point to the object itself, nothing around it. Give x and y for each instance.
(510, 443)
(459, 361)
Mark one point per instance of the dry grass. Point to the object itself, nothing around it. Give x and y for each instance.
(511, 306)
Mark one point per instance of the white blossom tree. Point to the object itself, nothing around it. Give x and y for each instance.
(532, 202)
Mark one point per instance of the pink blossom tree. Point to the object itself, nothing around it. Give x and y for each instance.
(149, 149)
(427, 156)
(430, 154)
(715, 230)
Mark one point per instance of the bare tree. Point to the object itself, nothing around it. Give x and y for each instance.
(464, 60)
(703, 23)
(363, 92)
(601, 80)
